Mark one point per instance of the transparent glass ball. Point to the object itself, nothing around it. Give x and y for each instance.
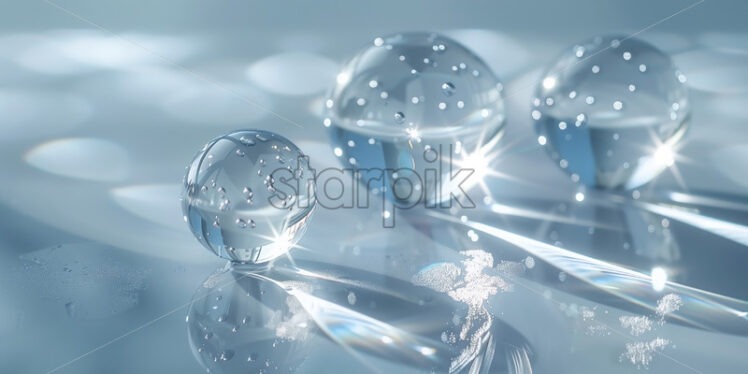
(241, 323)
(248, 195)
(409, 102)
(611, 110)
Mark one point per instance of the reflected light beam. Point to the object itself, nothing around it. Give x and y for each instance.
(732, 231)
(701, 308)
(533, 214)
(357, 332)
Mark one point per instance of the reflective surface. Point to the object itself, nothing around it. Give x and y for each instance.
(271, 320)
(98, 270)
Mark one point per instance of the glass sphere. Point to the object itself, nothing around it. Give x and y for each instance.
(248, 195)
(241, 323)
(610, 110)
(409, 102)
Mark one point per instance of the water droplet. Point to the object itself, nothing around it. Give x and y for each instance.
(228, 203)
(448, 88)
(618, 100)
(247, 141)
(243, 224)
(224, 205)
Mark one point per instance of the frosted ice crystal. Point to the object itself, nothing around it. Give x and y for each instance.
(510, 268)
(293, 325)
(587, 313)
(473, 288)
(668, 304)
(641, 353)
(636, 325)
(597, 329)
(594, 328)
(440, 277)
(477, 286)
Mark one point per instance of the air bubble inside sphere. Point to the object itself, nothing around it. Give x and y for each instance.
(410, 103)
(248, 195)
(611, 111)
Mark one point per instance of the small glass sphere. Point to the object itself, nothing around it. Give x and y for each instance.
(241, 323)
(610, 111)
(410, 101)
(248, 195)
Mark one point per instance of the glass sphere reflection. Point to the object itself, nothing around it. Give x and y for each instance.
(409, 101)
(240, 323)
(248, 195)
(610, 111)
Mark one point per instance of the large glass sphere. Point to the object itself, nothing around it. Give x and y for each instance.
(610, 111)
(248, 195)
(408, 103)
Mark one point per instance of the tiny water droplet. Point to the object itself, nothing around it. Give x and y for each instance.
(448, 88)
